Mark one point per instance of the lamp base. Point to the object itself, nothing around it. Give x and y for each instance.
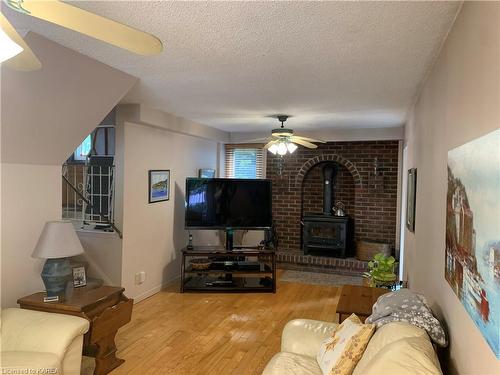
(55, 275)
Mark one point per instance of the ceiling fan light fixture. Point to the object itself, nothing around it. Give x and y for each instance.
(283, 140)
(273, 149)
(291, 147)
(282, 148)
(8, 48)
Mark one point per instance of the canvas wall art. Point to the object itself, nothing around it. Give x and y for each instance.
(159, 185)
(473, 232)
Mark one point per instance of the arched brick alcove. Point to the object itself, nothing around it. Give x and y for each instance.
(325, 158)
(312, 189)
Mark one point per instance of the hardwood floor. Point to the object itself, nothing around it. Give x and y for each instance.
(173, 333)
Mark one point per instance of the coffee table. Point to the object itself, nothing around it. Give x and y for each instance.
(357, 300)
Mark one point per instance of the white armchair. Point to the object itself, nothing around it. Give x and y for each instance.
(41, 342)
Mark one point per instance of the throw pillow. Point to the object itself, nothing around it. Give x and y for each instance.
(339, 354)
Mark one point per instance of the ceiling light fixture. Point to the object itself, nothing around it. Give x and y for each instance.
(283, 140)
(291, 147)
(273, 149)
(281, 148)
(8, 48)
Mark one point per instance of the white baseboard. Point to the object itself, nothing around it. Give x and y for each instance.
(154, 290)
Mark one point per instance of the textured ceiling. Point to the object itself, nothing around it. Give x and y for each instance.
(231, 64)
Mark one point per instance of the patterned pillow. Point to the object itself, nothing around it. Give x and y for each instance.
(340, 353)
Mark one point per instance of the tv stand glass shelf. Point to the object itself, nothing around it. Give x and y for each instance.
(215, 269)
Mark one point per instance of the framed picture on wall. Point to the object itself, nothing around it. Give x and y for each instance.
(206, 173)
(411, 196)
(159, 185)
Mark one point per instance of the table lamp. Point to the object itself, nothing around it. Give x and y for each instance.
(57, 243)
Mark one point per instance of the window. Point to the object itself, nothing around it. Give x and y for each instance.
(244, 161)
(83, 150)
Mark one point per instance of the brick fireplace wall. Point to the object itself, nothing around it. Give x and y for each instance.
(370, 201)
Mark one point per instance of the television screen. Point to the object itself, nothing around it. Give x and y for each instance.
(218, 203)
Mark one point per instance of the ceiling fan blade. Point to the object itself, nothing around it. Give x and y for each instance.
(269, 144)
(95, 26)
(308, 139)
(304, 143)
(257, 140)
(26, 60)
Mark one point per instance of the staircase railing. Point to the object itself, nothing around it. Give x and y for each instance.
(88, 194)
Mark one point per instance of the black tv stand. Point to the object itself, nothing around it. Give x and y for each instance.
(238, 270)
(229, 239)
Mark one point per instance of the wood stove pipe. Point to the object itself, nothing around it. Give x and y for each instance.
(329, 174)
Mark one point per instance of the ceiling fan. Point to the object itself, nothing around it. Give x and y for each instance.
(283, 140)
(17, 55)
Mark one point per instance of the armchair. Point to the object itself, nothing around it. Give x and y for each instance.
(42, 342)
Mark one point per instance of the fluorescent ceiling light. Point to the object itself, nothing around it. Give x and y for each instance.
(8, 48)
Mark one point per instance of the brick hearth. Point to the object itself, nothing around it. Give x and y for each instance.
(297, 260)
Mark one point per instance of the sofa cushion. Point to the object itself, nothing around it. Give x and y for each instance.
(340, 353)
(292, 364)
(304, 336)
(408, 356)
(38, 362)
(384, 336)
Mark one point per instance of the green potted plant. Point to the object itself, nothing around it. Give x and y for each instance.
(381, 271)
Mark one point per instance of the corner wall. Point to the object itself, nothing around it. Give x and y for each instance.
(459, 102)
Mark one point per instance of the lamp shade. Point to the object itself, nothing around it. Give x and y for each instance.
(58, 240)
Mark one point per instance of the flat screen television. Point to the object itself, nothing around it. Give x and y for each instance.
(222, 203)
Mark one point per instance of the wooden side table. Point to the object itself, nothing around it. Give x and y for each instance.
(105, 307)
(357, 300)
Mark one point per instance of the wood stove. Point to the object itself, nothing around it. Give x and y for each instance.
(325, 232)
(328, 234)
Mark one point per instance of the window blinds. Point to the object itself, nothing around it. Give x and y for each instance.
(244, 161)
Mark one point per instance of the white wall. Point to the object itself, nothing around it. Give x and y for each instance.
(153, 234)
(459, 102)
(31, 195)
(103, 255)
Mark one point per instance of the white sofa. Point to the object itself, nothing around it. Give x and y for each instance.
(39, 342)
(394, 349)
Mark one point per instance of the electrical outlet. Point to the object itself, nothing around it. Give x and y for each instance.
(140, 277)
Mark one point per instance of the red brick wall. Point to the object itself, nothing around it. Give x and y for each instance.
(299, 189)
